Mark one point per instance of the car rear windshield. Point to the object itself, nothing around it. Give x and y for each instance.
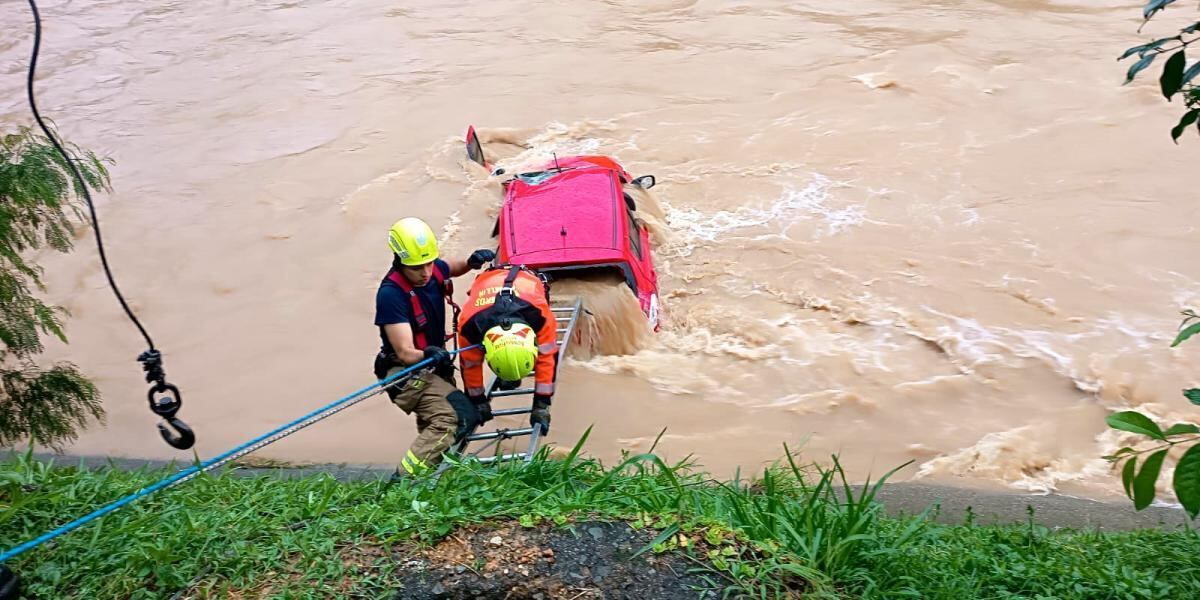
(536, 177)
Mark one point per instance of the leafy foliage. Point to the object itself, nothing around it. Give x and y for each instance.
(1188, 328)
(1140, 483)
(1176, 78)
(1193, 395)
(48, 405)
(37, 203)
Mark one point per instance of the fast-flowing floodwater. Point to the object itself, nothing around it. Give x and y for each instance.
(896, 230)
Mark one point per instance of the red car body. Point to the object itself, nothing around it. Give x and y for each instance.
(572, 215)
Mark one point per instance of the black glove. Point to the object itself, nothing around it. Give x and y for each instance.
(484, 407)
(479, 257)
(541, 413)
(468, 415)
(440, 357)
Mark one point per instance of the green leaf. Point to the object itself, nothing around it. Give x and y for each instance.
(1172, 74)
(1187, 332)
(1139, 65)
(1154, 6)
(1190, 74)
(1156, 44)
(1191, 28)
(1143, 484)
(1188, 118)
(1135, 422)
(1187, 481)
(1182, 428)
(1119, 453)
(1193, 395)
(662, 537)
(1127, 473)
(1131, 51)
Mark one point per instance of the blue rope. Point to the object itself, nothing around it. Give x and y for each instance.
(204, 466)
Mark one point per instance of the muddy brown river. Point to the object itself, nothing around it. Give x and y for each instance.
(890, 229)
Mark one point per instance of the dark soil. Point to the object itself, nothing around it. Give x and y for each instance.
(582, 561)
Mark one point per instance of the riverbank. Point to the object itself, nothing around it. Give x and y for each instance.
(340, 531)
(954, 505)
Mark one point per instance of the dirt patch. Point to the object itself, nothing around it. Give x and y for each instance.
(583, 561)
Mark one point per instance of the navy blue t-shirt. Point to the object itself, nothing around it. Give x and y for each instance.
(392, 305)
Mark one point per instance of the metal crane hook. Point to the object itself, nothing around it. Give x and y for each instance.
(165, 401)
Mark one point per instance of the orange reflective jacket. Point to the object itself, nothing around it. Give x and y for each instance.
(528, 304)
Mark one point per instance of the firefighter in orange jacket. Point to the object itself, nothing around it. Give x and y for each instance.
(508, 312)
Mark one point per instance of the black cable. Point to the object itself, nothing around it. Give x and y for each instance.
(37, 42)
(164, 398)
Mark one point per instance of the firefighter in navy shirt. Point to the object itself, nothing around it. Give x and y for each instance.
(410, 311)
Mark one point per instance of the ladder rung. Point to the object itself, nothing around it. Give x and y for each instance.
(491, 459)
(516, 392)
(502, 433)
(504, 412)
(562, 330)
(563, 309)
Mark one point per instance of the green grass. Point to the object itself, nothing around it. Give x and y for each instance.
(795, 529)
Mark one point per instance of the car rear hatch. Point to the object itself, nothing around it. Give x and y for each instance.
(567, 217)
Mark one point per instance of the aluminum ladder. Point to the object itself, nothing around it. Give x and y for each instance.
(570, 313)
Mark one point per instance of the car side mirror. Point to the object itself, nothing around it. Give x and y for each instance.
(645, 182)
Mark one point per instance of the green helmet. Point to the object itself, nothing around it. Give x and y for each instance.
(511, 352)
(413, 241)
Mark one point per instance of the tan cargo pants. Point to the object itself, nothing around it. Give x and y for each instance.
(425, 394)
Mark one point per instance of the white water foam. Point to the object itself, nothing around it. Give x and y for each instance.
(451, 228)
(1020, 457)
(977, 344)
(563, 139)
(792, 206)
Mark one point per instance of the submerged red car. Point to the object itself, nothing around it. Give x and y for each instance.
(572, 215)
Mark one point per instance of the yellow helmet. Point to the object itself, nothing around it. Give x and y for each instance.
(413, 241)
(510, 352)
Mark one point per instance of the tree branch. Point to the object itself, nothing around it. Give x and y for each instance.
(1169, 444)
